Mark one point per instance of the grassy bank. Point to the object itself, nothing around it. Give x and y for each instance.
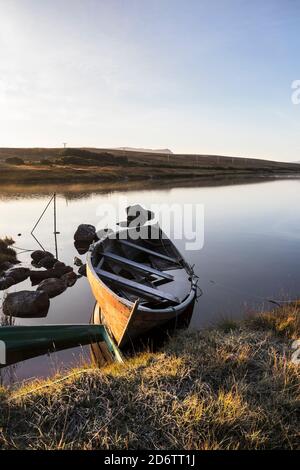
(55, 166)
(232, 387)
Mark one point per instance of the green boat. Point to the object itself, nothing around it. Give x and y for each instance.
(18, 343)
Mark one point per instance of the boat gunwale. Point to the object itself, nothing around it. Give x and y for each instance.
(128, 303)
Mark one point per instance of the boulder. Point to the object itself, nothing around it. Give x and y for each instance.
(37, 276)
(82, 247)
(69, 278)
(8, 264)
(82, 270)
(59, 265)
(64, 270)
(39, 254)
(52, 286)
(47, 262)
(5, 266)
(18, 274)
(85, 233)
(26, 304)
(6, 282)
(77, 261)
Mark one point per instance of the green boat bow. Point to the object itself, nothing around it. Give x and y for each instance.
(19, 343)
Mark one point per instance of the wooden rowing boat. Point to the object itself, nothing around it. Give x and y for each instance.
(139, 282)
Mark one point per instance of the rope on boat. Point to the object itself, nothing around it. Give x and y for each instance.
(199, 291)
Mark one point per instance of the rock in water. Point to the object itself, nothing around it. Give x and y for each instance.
(18, 274)
(26, 304)
(59, 265)
(77, 261)
(52, 286)
(39, 254)
(82, 247)
(82, 270)
(69, 278)
(6, 282)
(47, 262)
(38, 276)
(85, 233)
(5, 266)
(13, 276)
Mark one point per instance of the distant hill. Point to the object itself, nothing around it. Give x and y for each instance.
(55, 165)
(159, 159)
(136, 149)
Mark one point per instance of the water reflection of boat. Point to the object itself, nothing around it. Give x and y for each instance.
(139, 284)
(104, 351)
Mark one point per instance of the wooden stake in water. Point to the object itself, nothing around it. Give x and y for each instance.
(55, 231)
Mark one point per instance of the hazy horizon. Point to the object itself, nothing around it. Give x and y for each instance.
(198, 77)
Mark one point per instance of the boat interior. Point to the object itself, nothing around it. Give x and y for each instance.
(148, 269)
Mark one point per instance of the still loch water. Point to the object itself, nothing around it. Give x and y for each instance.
(251, 251)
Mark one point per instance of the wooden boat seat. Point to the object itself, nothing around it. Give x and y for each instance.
(149, 252)
(137, 288)
(137, 266)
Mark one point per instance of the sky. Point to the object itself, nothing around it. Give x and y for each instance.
(210, 76)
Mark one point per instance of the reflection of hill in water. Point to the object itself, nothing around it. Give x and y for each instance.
(84, 191)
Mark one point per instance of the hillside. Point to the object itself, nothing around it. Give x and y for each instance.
(149, 157)
(55, 165)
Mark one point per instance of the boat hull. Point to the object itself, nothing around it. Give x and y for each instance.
(25, 342)
(126, 320)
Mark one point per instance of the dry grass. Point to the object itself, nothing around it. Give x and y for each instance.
(7, 254)
(227, 388)
(285, 322)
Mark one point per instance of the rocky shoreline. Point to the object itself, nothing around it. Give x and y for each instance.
(51, 276)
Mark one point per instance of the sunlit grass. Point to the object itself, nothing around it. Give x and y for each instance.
(284, 321)
(224, 388)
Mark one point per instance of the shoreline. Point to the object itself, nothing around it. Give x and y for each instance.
(234, 386)
(73, 177)
(109, 166)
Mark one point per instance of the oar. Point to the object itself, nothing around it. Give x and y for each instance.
(18, 343)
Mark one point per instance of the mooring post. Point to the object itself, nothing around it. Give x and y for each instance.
(55, 231)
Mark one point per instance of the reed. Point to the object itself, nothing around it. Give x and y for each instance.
(7, 253)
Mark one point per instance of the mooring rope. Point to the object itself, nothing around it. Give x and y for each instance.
(23, 250)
